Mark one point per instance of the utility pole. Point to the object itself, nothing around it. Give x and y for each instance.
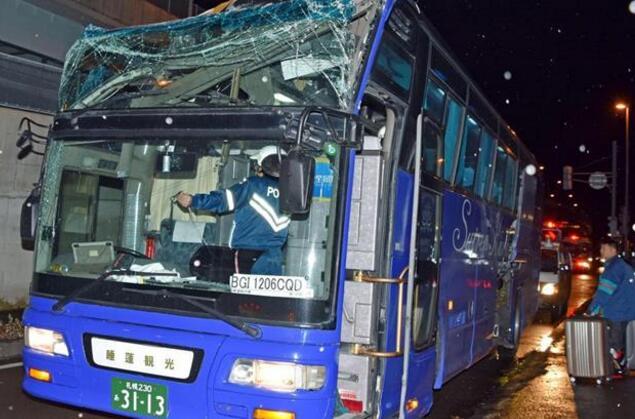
(613, 222)
(625, 221)
(626, 187)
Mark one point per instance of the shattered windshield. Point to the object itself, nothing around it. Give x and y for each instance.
(206, 212)
(290, 53)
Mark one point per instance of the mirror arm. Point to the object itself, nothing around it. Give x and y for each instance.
(302, 121)
(326, 113)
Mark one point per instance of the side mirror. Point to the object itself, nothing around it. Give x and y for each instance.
(28, 219)
(296, 182)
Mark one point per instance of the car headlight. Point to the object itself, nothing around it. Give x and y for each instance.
(45, 340)
(549, 289)
(277, 376)
(583, 264)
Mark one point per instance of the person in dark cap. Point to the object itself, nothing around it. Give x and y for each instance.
(614, 299)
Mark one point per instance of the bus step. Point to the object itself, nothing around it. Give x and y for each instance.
(353, 416)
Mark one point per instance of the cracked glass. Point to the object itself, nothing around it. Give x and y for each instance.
(291, 53)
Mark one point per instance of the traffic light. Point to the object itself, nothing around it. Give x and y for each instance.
(567, 178)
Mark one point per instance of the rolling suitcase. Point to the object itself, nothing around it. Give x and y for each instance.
(630, 345)
(587, 349)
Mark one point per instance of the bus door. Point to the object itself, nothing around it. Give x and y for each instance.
(422, 354)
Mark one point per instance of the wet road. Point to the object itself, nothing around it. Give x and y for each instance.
(536, 386)
(16, 404)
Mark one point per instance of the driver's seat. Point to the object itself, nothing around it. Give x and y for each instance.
(175, 251)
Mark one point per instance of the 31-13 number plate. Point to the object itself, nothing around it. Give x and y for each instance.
(141, 398)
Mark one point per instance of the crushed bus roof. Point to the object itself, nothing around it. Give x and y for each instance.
(188, 57)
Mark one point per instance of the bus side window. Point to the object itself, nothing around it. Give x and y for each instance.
(496, 195)
(434, 102)
(511, 184)
(432, 145)
(451, 137)
(434, 107)
(466, 171)
(484, 170)
(393, 67)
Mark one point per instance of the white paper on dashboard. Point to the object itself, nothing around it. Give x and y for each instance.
(298, 67)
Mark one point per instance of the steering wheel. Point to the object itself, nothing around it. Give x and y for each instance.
(131, 252)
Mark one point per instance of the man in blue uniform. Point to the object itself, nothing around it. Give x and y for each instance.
(258, 223)
(614, 298)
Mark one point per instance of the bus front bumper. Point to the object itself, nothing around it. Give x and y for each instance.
(75, 381)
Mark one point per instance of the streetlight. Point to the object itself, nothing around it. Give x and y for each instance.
(621, 106)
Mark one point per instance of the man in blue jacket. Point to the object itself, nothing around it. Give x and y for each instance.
(258, 223)
(614, 298)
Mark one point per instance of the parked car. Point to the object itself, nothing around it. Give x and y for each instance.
(555, 280)
(582, 263)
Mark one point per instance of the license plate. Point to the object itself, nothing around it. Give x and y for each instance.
(271, 286)
(141, 398)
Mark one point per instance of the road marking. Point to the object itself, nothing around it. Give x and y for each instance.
(7, 366)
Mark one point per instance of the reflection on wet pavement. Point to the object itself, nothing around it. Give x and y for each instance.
(545, 343)
(582, 290)
(537, 386)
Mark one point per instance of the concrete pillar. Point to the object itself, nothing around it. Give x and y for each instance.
(16, 181)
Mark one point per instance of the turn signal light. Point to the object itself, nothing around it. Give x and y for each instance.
(272, 414)
(412, 404)
(40, 375)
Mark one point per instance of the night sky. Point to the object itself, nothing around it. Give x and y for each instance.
(570, 61)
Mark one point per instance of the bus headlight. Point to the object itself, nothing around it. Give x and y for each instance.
(549, 289)
(45, 340)
(277, 376)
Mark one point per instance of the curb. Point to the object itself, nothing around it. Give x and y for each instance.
(11, 350)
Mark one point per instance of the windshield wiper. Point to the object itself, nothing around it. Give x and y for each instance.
(61, 303)
(241, 325)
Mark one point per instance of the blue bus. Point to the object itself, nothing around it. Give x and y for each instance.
(409, 214)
